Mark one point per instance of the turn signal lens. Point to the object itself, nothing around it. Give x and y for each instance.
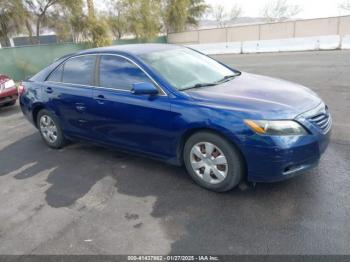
(257, 128)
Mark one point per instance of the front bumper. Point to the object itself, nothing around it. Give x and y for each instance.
(276, 158)
(288, 158)
(8, 96)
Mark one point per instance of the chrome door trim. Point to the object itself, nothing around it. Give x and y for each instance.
(162, 92)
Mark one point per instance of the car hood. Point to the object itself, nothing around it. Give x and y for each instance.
(3, 79)
(260, 97)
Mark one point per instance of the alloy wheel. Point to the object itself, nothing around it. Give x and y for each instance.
(209, 162)
(48, 129)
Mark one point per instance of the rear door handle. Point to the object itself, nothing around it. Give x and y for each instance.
(80, 107)
(49, 90)
(100, 99)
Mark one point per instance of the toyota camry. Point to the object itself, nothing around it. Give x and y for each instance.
(177, 105)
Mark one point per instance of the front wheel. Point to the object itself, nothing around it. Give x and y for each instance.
(213, 162)
(50, 129)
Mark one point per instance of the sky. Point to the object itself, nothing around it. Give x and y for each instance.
(310, 8)
(252, 8)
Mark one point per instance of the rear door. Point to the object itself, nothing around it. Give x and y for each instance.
(69, 94)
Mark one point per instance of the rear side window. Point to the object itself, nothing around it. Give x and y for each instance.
(119, 73)
(79, 70)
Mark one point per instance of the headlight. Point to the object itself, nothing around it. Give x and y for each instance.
(9, 84)
(276, 127)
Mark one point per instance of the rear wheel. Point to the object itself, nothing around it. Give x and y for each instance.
(50, 129)
(213, 162)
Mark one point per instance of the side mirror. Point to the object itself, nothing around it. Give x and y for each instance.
(144, 88)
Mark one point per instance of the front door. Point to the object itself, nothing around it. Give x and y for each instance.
(139, 122)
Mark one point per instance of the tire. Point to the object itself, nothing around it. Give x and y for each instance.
(207, 166)
(12, 103)
(50, 129)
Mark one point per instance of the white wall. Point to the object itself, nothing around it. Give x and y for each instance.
(330, 42)
(268, 31)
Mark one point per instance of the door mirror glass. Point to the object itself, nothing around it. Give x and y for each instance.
(144, 88)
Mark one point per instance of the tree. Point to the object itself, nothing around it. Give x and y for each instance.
(60, 25)
(279, 10)
(65, 18)
(178, 14)
(345, 6)
(77, 20)
(219, 14)
(98, 33)
(79, 26)
(12, 16)
(40, 8)
(236, 11)
(68, 20)
(91, 8)
(143, 17)
(175, 15)
(222, 16)
(195, 11)
(96, 28)
(116, 19)
(27, 20)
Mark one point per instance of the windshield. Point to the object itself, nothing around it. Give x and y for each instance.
(184, 68)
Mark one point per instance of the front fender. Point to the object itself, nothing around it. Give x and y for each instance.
(192, 119)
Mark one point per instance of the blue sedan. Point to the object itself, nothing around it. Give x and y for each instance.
(177, 105)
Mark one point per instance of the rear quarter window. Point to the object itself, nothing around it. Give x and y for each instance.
(56, 75)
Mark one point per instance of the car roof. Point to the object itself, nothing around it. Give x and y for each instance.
(133, 49)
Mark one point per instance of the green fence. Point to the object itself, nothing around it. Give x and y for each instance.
(21, 62)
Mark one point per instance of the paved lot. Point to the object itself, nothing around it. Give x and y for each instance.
(88, 200)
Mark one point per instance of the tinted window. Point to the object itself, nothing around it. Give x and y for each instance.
(119, 73)
(56, 76)
(79, 70)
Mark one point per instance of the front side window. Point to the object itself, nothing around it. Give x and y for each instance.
(184, 68)
(79, 70)
(119, 73)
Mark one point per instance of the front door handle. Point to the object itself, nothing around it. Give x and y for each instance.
(80, 107)
(101, 97)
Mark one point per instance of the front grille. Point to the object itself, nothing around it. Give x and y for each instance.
(322, 120)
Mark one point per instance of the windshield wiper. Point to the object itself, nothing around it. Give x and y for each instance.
(199, 85)
(226, 78)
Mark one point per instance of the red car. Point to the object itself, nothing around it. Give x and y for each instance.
(8, 91)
